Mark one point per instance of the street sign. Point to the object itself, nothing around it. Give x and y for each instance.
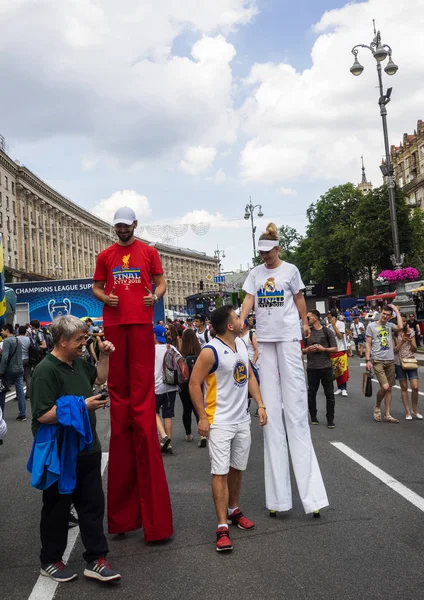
(219, 279)
(209, 277)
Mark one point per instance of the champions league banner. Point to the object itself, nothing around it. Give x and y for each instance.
(50, 299)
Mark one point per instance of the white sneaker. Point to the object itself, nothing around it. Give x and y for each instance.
(408, 417)
(344, 393)
(337, 392)
(417, 415)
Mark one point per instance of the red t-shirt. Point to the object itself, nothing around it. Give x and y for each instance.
(128, 269)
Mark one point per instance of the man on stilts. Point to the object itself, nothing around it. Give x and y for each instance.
(138, 495)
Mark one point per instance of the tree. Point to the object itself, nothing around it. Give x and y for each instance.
(324, 253)
(372, 244)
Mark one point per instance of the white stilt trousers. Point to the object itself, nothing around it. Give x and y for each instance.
(283, 379)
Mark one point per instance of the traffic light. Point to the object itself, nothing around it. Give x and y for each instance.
(201, 285)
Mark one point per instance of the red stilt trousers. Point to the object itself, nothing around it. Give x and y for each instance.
(138, 493)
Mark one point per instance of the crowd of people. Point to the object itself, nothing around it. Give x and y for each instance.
(216, 366)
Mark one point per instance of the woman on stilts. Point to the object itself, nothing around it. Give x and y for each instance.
(274, 290)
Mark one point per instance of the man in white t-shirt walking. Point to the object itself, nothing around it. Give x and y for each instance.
(165, 393)
(202, 332)
(219, 386)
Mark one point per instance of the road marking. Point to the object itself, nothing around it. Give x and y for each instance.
(395, 386)
(45, 588)
(392, 483)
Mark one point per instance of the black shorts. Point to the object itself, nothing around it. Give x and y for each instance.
(167, 403)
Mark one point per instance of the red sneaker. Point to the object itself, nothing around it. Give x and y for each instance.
(238, 518)
(223, 541)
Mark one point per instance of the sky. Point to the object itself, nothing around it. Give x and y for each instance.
(186, 110)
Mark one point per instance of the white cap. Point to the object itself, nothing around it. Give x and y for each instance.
(267, 245)
(124, 215)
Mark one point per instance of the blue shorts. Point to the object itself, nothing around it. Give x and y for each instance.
(404, 375)
(167, 403)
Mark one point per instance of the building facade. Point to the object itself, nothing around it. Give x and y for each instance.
(365, 186)
(47, 236)
(408, 163)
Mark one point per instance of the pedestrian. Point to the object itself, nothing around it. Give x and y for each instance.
(415, 326)
(318, 348)
(38, 349)
(64, 374)
(404, 349)
(340, 358)
(165, 394)
(380, 357)
(219, 387)
(202, 332)
(190, 349)
(26, 345)
(12, 370)
(358, 335)
(138, 493)
(171, 333)
(250, 339)
(275, 289)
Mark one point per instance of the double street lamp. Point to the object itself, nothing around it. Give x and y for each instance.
(218, 254)
(380, 52)
(248, 214)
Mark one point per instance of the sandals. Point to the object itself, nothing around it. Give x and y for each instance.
(390, 419)
(377, 414)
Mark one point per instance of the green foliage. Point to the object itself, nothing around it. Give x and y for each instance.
(349, 236)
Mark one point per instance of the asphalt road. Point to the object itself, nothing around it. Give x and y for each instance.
(368, 544)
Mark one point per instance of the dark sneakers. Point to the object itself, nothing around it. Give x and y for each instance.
(238, 519)
(58, 571)
(21, 418)
(314, 421)
(101, 570)
(331, 425)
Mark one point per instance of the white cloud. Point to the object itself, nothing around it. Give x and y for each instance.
(88, 163)
(285, 191)
(220, 177)
(105, 209)
(198, 159)
(317, 123)
(105, 72)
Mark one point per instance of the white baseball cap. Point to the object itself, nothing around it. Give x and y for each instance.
(125, 215)
(267, 245)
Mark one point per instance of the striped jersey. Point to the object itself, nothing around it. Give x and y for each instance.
(226, 386)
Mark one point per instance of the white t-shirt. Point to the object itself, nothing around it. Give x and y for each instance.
(160, 386)
(250, 349)
(341, 342)
(277, 317)
(203, 337)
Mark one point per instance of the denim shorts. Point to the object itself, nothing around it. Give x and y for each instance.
(404, 374)
(167, 403)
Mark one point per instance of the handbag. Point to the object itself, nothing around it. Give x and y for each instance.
(367, 384)
(409, 364)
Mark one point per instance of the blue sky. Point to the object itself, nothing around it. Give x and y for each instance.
(185, 110)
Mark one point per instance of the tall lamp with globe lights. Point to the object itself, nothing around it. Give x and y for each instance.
(248, 214)
(381, 52)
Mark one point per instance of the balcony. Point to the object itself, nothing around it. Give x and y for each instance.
(415, 183)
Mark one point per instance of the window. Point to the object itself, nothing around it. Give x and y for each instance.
(1, 201)
(8, 223)
(7, 202)
(1, 219)
(422, 150)
(6, 182)
(13, 187)
(14, 227)
(407, 163)
(14, 208)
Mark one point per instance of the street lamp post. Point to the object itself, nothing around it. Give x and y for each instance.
(380, 52)
(218, 254)
(248, 214)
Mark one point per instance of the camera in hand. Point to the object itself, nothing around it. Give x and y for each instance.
(104, 394)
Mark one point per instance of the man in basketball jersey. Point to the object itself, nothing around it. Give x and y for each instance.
(219, 386)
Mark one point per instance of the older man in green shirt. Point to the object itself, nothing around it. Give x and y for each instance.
(64, 373)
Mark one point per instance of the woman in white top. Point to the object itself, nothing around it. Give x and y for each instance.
(274, 289)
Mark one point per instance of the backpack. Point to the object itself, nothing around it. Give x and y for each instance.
(35, 353)
(49, 341)
(174, 369)
(190, 360)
